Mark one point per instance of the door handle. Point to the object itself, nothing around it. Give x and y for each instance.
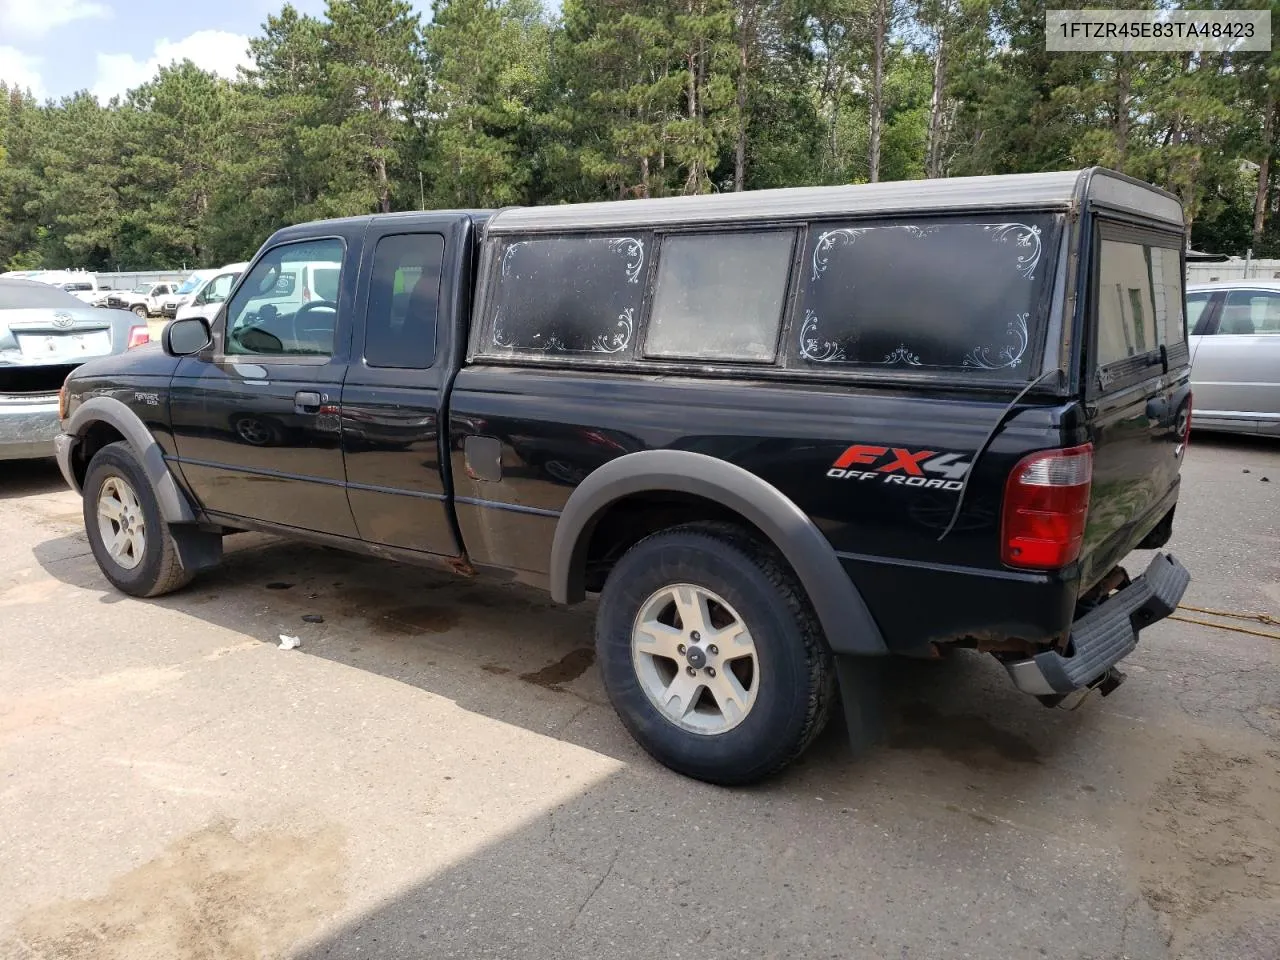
(306, 401)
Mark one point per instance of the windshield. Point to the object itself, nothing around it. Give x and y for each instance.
(143, 289)
(21, 295)
(190, 283)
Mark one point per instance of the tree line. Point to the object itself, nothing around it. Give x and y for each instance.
(499, 102)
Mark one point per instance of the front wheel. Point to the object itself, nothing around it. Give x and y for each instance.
(127, 534)
(141, 311)
(711, 654)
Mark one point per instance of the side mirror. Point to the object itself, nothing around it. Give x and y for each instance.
(190, 335)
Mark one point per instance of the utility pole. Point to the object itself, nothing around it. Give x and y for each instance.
(422, 196)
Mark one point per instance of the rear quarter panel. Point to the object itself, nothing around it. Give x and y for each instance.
(556, 427)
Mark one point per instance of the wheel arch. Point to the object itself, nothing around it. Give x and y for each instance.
(96, 411)
(845, 618)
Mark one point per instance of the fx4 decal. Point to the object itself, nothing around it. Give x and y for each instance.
(930, 469)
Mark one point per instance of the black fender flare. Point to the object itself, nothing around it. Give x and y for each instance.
(848, 624)
(174, 506)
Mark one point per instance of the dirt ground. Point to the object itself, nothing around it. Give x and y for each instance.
(436, 772)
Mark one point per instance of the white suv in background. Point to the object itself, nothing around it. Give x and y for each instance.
(195, 288)
(204, 299)
(170, 304)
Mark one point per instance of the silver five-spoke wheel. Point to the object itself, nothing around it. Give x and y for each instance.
(695, 659)
(121, 523)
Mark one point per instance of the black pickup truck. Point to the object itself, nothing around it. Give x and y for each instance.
(781, 434)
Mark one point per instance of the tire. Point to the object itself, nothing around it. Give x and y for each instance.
(148, 565)
(789, 684)
(140, 310)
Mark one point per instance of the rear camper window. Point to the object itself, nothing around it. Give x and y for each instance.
(563, 295)
(964, 296)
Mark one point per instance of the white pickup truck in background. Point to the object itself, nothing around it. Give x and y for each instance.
(144, 300)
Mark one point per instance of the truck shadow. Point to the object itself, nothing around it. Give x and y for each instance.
(508, 652)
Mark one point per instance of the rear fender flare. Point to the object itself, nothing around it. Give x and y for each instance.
(845, 619)
(173, 504)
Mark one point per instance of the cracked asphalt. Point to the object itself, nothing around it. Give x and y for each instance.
(436, 773)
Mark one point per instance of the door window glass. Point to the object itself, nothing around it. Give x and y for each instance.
(272, 314)
(720, 296)
(404, 295)
(1196, 302)
(568, 295)
(1250, 312)
(1126, 310)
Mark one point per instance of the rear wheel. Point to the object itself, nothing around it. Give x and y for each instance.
(711, 654)
(129, 538)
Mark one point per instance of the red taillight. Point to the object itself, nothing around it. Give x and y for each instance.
(138, 336)
(1186, 427)
(306, 295)
(1046, 503)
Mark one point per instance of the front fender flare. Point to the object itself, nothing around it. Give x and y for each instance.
(173, 504)
(844, 616)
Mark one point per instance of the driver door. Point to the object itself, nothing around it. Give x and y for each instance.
(255, 416)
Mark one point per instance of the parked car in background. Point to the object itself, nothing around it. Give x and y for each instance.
(169, 305)
(302, 283)
(1235, 355)
(144, 299)
(212, 292)
(81, 284)
(84, 292)
(45, 333)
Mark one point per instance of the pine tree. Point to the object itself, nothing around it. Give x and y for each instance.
(267, 178)
(372, 53)
(77, 156)
(488, 61)
(170, 131)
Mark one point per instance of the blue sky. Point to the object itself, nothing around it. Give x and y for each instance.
(56, 47)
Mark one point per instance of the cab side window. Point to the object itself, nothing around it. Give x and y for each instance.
(404, 298)
(272, 314)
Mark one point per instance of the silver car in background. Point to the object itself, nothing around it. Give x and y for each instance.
(1235, 355)
(45, 333)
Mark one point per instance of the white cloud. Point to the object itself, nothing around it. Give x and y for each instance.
(217, 51)
(35, 18)
(21, 70)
